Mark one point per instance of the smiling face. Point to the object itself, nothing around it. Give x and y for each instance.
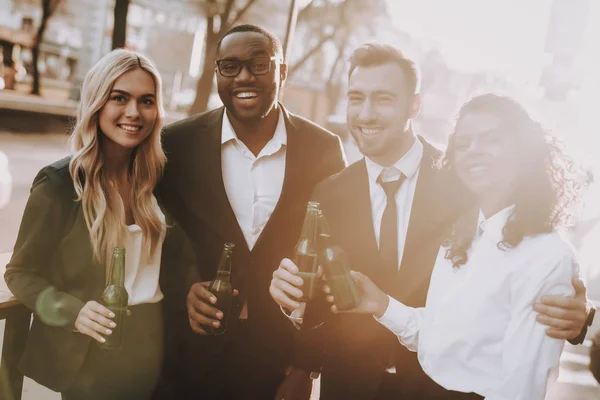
(129, 115)
(485, 155)
(379, 111)
(247, 97)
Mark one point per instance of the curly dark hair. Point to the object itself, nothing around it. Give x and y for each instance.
(547, 190)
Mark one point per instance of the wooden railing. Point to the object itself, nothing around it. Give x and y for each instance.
(16, 328)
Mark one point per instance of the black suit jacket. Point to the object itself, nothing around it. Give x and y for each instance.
(53, 249)
(354, 350)
(595, 357)
(192, 190)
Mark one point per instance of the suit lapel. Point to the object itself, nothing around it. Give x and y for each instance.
(351, 220)
(209, 198)
(358, 212)
(424, 226)
(294, 168)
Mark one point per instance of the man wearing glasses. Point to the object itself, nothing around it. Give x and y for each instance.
(242, 173)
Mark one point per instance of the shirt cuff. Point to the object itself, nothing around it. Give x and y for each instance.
(295, 316)
(396, 317)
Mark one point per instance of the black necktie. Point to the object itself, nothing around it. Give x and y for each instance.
(388, 237)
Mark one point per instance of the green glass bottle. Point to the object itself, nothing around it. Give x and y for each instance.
(115, 298)
(305, 256)
(336, 269)
(222, 289)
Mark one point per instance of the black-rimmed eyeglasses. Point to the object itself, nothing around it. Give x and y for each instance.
(231, 67)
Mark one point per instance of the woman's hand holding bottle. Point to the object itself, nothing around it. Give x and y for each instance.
(372, 299)
(94, 320)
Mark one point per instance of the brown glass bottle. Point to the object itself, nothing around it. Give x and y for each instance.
(115, 298)
(222, 289)
(305, 256)
(336, 269)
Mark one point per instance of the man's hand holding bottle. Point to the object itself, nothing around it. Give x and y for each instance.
(202, 312)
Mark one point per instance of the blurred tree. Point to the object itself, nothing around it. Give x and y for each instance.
(324, 21)
(48, 8)
(119, 35)
(331, 29)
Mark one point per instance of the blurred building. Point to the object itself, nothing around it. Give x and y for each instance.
(19, 21)
(80, 32)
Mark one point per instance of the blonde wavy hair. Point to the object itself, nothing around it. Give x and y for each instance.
(103, 208)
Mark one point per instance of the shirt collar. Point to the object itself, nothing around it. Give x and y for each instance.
(278, 140)
(494, 224)
(408, 165)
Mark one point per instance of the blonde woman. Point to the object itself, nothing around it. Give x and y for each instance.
(79, 209)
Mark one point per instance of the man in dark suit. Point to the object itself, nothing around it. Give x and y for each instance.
(595, 357)
(389, 212)
(242, 173)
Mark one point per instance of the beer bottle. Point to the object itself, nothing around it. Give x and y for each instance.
(115, 298)
(222, 289)
(305, 256)
(336, 269)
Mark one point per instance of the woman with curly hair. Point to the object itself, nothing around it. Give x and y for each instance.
(81, 208)
(478, 336)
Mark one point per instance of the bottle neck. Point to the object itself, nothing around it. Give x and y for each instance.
(225, 263)
(117, 268)
(309, 227)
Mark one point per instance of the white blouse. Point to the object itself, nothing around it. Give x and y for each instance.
(478, 332)
(141, 274)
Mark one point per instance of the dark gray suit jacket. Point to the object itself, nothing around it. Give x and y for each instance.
(53, 249)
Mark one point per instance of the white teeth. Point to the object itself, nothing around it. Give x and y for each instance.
(246, 95)
(368, 131)
(130, 128)
(478, 169)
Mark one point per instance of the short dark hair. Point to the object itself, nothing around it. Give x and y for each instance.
(274, 42)
(374, 54)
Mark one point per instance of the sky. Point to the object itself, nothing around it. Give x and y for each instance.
(499, 35)
(509, 37)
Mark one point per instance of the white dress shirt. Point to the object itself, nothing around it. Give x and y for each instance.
(478, 332)
(409, 166)
(141, 274)
(253, 183)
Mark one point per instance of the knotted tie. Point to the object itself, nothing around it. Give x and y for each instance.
(388, 238)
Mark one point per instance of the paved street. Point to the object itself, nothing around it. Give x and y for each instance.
(27, 153)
